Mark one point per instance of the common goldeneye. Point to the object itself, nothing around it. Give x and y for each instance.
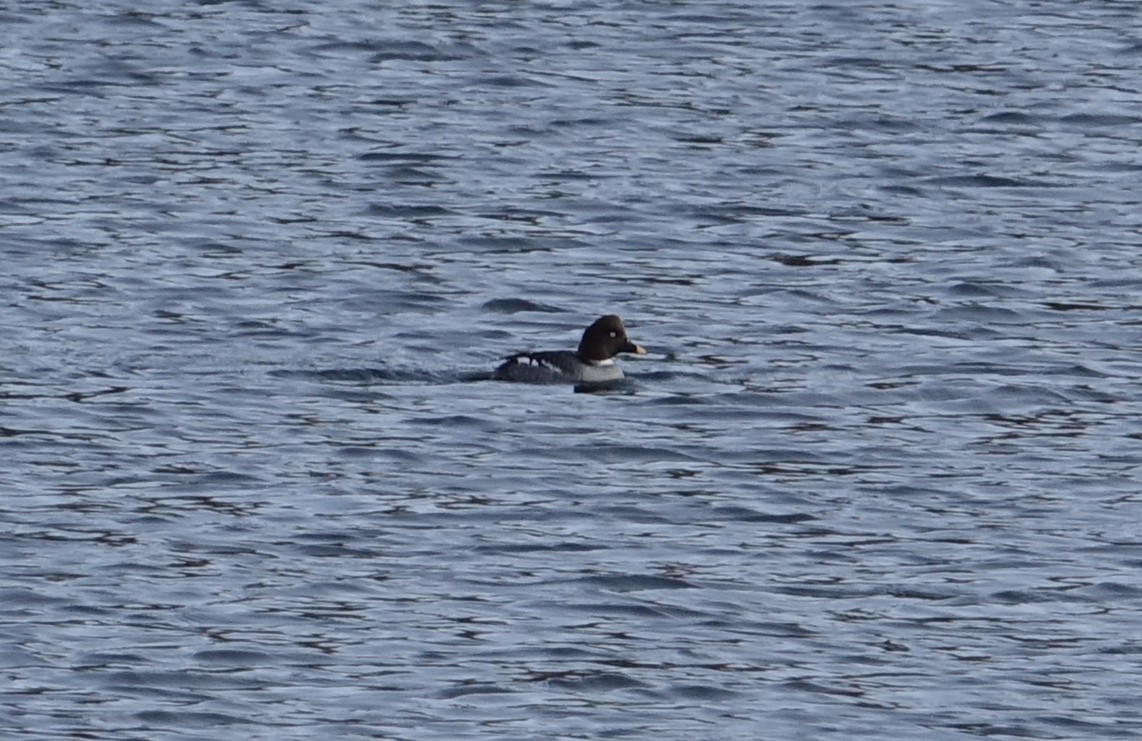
(593, 362)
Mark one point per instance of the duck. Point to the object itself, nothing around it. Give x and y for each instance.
(592, 362)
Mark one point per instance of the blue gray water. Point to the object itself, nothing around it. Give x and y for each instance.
(878, 476)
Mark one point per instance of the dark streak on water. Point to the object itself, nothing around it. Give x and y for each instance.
(879, 475)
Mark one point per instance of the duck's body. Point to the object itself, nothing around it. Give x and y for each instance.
(556, 366)
(593, 362)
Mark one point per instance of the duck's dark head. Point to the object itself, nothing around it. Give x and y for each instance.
(606, 338)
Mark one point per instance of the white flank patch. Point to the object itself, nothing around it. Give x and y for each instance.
(538, 362)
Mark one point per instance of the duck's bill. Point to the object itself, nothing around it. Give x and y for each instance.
(636, 349)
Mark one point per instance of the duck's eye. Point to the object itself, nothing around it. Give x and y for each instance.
(614, 334)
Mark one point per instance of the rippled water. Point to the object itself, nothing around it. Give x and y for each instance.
(878, 476)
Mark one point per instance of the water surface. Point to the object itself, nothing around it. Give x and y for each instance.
(877, 477)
